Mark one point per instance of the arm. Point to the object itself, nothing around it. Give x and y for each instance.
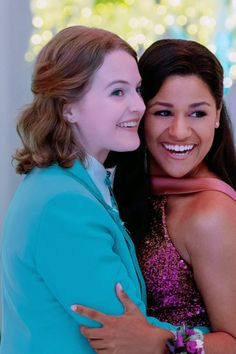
(130, 333)
(212, 250)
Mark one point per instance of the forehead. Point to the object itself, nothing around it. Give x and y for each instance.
(118, 65)
(183, 90)
(185, 81)
(187, 86)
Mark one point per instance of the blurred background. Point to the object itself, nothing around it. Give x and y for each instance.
(25, 26)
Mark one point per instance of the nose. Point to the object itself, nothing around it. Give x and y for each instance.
(180, 128)
(137, 104)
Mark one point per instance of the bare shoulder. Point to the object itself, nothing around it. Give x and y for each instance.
(211, 206)
(211, 220)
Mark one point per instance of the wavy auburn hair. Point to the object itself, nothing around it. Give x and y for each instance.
(63, 73)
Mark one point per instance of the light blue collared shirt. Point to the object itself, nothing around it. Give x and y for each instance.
(98, 174)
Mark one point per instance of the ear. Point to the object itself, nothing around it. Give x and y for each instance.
(67, 112)
(217, 121)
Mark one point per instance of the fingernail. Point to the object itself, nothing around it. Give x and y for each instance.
(82, 329)
(119, 286)
(74, 307)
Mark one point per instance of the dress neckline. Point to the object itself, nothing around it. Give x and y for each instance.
(168, 185)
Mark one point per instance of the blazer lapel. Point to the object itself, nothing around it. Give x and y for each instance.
(79, 173)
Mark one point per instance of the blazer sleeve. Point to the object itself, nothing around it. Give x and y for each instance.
(77, 259)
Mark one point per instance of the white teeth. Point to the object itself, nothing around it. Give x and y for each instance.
(178, 148)
(127, 124)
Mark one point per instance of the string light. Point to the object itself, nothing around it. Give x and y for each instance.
(169, 20)
(192, 29)
(181, 20)
(232, 72)
(175, 2)
(206, 21)
(143, 23)
(232, 56)
(41, 4)
(230, 22)
(161, 10)
(159, 29)
(36, 39)
(228, 82)
(37, 21)
(86, 12)
(133, 22)
(47, 35)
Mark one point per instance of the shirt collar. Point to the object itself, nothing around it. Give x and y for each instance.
(98, 173)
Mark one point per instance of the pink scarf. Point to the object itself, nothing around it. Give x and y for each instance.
(163, 185)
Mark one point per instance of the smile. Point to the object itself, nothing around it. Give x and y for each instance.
(178, 149)
(128, 124)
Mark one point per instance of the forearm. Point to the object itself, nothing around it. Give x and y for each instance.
(219, 343)
(214, 343)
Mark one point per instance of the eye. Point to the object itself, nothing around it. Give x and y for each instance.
(162, 113)
(198, 114)
(139, 90)
(117, 92)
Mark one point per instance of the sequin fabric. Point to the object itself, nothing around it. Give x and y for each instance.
(171, 290)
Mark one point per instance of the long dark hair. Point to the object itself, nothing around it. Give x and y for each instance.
(162, 59)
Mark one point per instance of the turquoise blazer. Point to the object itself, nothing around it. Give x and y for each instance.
(62, 245)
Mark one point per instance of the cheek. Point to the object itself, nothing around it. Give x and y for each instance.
(208, 134)
(206, 139)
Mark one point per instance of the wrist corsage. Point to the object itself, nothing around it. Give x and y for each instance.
(186, 341)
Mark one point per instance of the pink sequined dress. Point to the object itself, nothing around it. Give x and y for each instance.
(171, 290)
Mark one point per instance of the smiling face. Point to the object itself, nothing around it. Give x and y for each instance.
(108, 115)
(180, 122)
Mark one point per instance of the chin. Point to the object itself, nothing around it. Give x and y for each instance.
(129, 147)
(175, 171)
(175, 174)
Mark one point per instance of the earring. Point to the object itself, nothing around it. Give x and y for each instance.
(217, 125)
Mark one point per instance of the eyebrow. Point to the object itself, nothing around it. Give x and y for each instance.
(193, 105)
(200, 104)
(115, 82)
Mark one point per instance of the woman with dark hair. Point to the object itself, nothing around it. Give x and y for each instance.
(63, 240)
(176, 194)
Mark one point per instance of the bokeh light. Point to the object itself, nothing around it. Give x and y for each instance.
(140, 22)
